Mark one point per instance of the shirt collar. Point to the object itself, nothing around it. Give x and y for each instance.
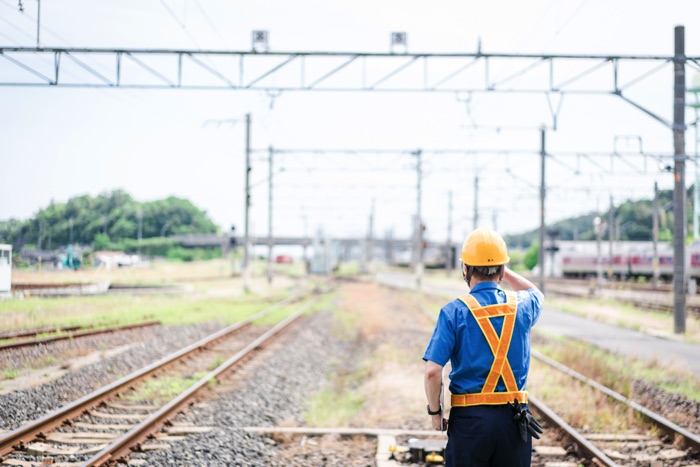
(484, 286)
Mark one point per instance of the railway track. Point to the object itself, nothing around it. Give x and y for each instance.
(678, 445)
(673, 443)
(644, 299)
(65, 333)
(132, 425)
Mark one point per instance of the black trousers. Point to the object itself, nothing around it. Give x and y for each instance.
(485, 436)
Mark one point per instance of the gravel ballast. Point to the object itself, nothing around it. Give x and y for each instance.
(275, 392)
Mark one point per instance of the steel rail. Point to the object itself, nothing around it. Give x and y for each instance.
(583, 443)
(36, 331)
(139, 433)
(552, 417)
(641, 303)
(691, 439)
(28, 432)
(73, 335)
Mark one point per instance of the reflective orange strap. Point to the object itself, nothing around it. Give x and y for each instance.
(499, 345)
(501, 366)
(493, 398)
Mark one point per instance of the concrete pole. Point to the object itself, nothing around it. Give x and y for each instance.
(246, 228)
(38, 23)
(696, 194)
(269, 215)
(448, 253)
(679, 194)
(611, 224)
(306, 243)
(598, 227)
(655, 234)
(419, 222)
(140, 230)
(370, 237)
(543, 193)
(476, 201)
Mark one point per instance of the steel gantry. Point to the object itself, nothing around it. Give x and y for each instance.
(550, 74)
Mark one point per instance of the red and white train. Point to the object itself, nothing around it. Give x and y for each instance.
(629, 259)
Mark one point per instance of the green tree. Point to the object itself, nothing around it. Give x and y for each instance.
(113, 216)
(101, 242)
(531, 256)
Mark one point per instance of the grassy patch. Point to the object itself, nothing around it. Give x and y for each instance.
(580, 405)
(337, 404)
(328, 408)
(124, 309)
(10, 373)
(216, 363)
(282, 313)
(163, 389)
(618, 373)
(325, 302)
(348, 268)
(345, 324)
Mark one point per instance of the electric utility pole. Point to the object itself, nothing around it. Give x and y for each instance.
(476, 201)
(655, 236)
(679, 195)
(540, 258)
(611, 223)
(269, 216)
(246, 233)
(419, 221)
(449, 253)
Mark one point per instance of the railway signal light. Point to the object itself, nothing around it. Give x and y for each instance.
(232, 237)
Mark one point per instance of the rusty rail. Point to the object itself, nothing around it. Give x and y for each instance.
(27, 433)
(691, 439)
(140, 432)
(583, 443)
(73, 335)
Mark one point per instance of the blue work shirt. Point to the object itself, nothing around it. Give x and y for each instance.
(458, 337)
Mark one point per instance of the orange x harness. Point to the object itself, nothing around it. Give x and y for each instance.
(499, 347)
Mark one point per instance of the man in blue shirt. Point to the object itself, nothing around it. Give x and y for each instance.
(486, 336)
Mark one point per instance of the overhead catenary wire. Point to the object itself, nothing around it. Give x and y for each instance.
(565, 24)
(135, 96)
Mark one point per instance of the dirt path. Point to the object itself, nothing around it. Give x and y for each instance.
(394, 334)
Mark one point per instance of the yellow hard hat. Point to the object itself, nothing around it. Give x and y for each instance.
(484, 247)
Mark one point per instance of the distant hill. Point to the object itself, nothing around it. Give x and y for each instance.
(105, 220)
(633, 221)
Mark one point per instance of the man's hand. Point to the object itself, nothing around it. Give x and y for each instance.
(439, 422)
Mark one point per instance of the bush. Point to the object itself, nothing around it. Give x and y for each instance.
(179, 253)
(532, 256)
(101, 242)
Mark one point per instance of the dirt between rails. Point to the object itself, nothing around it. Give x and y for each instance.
(391, 334)
(383, 367)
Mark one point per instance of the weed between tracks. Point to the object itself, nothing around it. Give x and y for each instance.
(578, 404)
(164, 388)
(380, 383)
(618, 373)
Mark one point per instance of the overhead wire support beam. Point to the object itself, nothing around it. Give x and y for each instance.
(442, 72)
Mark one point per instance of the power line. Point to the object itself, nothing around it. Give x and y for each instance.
(566, 23)
(211, 23)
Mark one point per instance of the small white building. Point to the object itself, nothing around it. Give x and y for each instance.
(5, 270)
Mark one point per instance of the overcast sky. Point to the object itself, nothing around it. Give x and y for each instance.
(59, 142)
